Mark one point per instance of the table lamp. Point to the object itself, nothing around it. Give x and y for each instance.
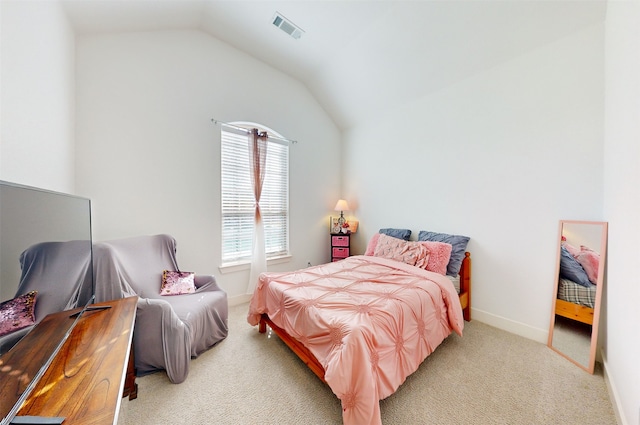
(341, 206)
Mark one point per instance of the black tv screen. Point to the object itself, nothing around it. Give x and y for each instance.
(29, 216)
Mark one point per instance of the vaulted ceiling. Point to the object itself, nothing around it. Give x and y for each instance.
(358, 57)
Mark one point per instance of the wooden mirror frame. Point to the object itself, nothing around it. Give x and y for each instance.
(578, 312)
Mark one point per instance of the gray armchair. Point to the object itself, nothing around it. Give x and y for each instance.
(169, 330)
(61, 273)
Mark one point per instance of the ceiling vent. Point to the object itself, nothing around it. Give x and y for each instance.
(287, 26)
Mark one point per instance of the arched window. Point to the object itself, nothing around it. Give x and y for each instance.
(238, 198)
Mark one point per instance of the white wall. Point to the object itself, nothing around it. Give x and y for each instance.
(148, 154)
(1, 55)
(500, 157)
(37, 102)
(622, 205)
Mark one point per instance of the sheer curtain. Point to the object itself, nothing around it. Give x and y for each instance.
(258, 158)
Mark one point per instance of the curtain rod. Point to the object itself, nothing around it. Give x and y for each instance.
(215, 121)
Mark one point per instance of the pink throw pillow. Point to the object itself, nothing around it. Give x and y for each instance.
(572, 249)
(18, 313)
(590, 262)
(439, 256)
(373, 242)
(177, 283)
(411, 253)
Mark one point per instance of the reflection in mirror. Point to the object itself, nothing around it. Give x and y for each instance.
(573, 331)
(43, 235)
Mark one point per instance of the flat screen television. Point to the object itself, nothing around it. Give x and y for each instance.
(30, 217)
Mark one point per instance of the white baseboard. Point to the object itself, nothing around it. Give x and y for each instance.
(613, 393)
(239, 299)
(526, 331)
(541, 335)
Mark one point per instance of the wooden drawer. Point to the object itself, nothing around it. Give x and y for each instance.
(340, 252)
(339, 240)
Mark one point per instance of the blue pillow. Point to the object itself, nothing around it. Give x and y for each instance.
(403, 234)
(458, 244)
(571, 269)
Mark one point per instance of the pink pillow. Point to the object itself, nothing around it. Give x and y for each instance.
(411, 253)
(590, 262)
(439, 255)
(177, 283)
(572, 249)
(17, 313)
(371, 248)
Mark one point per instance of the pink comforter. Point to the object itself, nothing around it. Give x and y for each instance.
(369, 321)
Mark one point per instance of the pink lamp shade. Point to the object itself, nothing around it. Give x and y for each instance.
(341, 205)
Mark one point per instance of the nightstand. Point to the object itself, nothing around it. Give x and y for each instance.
(340, 246)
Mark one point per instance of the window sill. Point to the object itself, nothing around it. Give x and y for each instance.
(246, 265)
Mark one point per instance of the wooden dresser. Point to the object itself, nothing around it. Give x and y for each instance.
(87, 378)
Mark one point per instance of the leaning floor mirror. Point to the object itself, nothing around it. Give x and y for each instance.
(575, 314)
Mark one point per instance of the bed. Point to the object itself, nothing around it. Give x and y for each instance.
(575, 301)
(363, 324)
(576, 283)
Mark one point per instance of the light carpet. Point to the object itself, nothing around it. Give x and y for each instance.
(488, 376)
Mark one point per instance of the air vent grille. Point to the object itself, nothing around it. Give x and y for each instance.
(287, 26)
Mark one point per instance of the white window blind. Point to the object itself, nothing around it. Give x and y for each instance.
(238, 200)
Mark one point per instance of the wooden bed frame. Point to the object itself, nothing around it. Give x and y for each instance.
(310, 360)
(573, 311)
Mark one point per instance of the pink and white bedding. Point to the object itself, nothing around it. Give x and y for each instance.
(369, 321)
